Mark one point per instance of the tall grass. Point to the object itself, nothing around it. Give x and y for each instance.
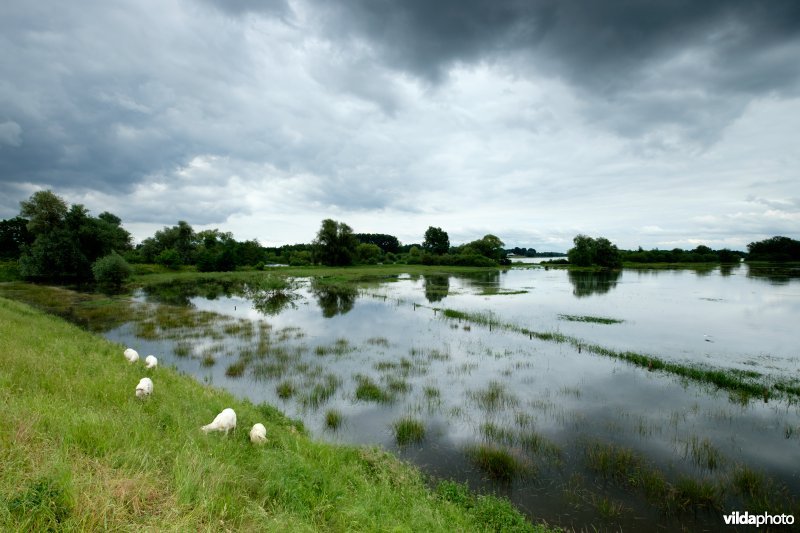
(80, 452)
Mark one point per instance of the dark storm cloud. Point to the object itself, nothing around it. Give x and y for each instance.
(639, 66)
(596, 44)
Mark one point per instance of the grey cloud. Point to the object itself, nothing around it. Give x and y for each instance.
(783, 204)
(280, 8)
(10, 133)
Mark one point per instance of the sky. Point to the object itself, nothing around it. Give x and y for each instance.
(661, 123)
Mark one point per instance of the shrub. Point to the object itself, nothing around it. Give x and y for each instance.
(112, 269)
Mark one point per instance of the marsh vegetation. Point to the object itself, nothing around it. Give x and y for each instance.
(628, 404)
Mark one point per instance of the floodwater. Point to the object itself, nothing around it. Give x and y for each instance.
(581, 437)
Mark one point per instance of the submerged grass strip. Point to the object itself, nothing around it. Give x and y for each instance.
(588, 318)
(80, 452)
(744, 382)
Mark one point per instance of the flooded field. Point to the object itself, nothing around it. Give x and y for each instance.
(592, 400)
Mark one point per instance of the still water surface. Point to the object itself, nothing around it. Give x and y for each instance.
(544, 404)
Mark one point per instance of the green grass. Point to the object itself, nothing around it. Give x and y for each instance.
(80, 452)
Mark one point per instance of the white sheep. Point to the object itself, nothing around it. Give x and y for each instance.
(225, 421)
(150, 361)
(131, 355)
(144, 388)
(258, 434)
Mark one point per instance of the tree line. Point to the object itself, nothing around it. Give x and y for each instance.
(51, 240)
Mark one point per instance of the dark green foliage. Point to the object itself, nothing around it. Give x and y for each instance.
(467, 259)
(66, 241)
(54, 255)
(300, 258)
(111, 269)
(169, 258)
(437, 241)
(44, 210)
(701, 254)
(488, 246)
(335, 244)
(525, 252)
(14, 235)
(387, 243)
(368, 254)
(180, 239)
(774, 249)
(588, 252)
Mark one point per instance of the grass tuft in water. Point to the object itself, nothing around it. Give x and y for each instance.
(183, 349)
(592, 319)
(285, 390)
(408, 430)
(496, 434)
(497, 462)
(703, 453)
(236, 369)
(493, 397)
(368, 390)
(320, 392)
(333, 419)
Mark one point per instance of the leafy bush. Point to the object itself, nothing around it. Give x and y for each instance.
(169, 258)
(111, 269)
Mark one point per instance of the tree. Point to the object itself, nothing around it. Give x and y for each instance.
(44, 210)
(436, 241)
(66, 240)
(774, 249)
(368, 253)
(181, 239)
(14, 235)
(582, 254)
(335, 244)
(588, 251)
(488, 246)
(387, 243)
(111, 269)
(606, 254)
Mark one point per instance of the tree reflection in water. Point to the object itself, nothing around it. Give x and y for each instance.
(334, 299)
(437, 286)
(586, 283)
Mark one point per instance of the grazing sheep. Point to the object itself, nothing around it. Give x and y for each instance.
(131, 355)
(150, 361)
(258, 434)
(144, 388)
(225, 421)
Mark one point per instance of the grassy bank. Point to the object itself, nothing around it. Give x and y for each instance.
(79, 452)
